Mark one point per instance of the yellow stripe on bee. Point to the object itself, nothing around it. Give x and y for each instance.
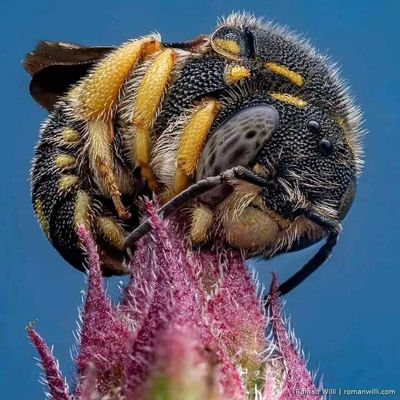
(43, 221)
(148, 98)
(289, 99)
(82, 209)
(112, 232)
(70, 135)
(98, 93)
(236, 73)
(65, 161)
(68, 181)
(191, 143)
(152, 88)
(292, 76)
(228, 45)
(194, 136)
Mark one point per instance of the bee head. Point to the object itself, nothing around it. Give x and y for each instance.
(292, 121)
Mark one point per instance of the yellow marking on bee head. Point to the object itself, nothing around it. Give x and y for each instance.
(236, 73)
(227, 45)
(289, 99)
(65, 161)
(82, 209)
(43, 221)
(202, 220)
(292, 76)
(112, 232)
(70, 135)
(99, 91)
(68, 181)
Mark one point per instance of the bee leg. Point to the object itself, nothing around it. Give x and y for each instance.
(84, 214)
(103, 227)
(100, 155)
(319, 258)
(96, 96)
(201, 223)
(148, 99)
(94, 99)
(194, 191)
(191, 144)
(111, 231)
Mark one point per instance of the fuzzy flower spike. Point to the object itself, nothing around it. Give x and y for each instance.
(189, 326)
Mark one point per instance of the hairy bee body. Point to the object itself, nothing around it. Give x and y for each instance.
(152, 118)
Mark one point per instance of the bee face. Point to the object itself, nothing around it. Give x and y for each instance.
(309, 152)
(310, 160)
(304, 154)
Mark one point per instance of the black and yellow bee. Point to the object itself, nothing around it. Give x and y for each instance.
(249, 128)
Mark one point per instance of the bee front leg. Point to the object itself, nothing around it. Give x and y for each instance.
(201, 224)
(94, 100)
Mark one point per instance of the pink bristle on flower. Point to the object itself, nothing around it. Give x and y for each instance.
(238, 318)
(55, 382)
(104, 338)
(177, 300)
(295, 375)
(88, 389)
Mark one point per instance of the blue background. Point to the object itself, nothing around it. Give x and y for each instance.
(347, 314)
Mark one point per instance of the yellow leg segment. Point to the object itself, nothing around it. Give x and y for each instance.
(148, 99)
(191, 143)
(82, 213)
(112, 231)
(101, 161)
(202, 221)
(98, 93)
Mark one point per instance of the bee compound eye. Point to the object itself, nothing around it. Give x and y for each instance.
(325, 146)
(314, 126)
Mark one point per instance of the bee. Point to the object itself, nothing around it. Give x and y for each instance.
(248, 129)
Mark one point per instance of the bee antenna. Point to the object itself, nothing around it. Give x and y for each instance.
(319, 258)
(333, 227)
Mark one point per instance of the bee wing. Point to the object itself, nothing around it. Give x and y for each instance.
(55, 66)
(236, 143)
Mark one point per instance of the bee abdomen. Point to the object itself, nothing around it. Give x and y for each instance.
(65, 196)
(55, 184)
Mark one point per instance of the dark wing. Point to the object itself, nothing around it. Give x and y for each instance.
(55, 66)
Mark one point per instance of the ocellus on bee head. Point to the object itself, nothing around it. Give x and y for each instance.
(251, 105)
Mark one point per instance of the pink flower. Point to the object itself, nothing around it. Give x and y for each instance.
(190, 326)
